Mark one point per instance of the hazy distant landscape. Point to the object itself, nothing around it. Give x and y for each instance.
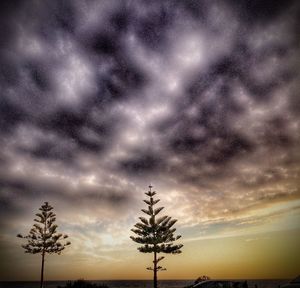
(138, 283)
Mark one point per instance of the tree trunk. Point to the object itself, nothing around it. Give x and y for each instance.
(42, 270)
(155, 271)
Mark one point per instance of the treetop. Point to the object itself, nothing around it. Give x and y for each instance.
(43, 237)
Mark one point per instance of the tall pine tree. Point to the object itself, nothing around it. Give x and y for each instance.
(155, 234)
(43, 238)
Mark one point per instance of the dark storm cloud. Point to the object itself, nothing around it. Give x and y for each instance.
(39, 75)
(202, 123)
(35, 188)
(142, 164)
(97, 96)
(18, 193)
(262, 12)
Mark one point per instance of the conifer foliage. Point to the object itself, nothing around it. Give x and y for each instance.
(43, 238)
(156, 234)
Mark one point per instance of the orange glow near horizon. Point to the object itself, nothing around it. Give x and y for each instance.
(272, 255)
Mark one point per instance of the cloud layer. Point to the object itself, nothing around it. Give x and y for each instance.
(100, 98)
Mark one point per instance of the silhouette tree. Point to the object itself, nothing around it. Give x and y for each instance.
(156, 234)
(43, 238)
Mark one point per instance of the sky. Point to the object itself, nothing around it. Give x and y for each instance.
(99, 99)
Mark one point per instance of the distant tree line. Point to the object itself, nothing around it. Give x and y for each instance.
(82, 284)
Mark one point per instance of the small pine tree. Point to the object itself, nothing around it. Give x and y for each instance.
(156, 234)
(43, 238)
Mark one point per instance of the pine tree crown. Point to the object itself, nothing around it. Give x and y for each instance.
(155, 234)
(43, 237)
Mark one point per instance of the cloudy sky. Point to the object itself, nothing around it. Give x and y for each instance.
(99, 99)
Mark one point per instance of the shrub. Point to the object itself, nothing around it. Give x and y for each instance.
(82, 284)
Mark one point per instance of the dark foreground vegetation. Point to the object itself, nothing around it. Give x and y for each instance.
(82, 284)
